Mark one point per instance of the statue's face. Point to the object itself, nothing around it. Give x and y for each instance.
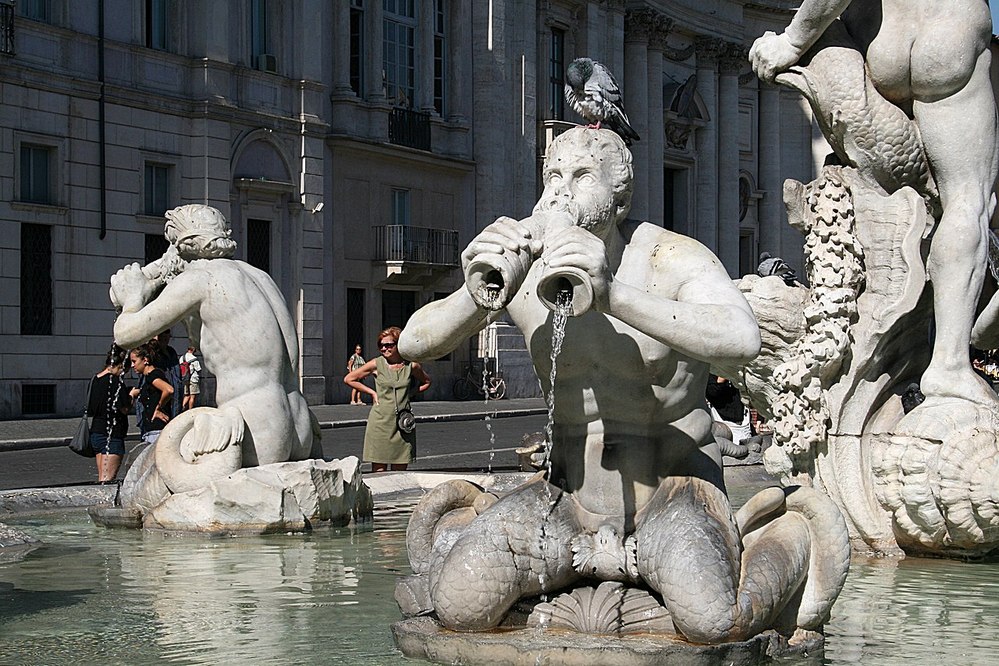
(583, 186)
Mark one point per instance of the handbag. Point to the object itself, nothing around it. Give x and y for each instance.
(80, 443)
(404, 418)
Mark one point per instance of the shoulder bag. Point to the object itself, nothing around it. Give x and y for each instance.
(404, 419)
(81, 440)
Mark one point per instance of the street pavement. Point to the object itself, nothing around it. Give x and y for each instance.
(459, 436)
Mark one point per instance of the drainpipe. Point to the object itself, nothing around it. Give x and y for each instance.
(100, 120)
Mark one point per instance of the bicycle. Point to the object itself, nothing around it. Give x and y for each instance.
(490, 387)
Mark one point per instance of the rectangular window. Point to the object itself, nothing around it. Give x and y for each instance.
(258, 244)
(400, 207)
(556, 73)
(157, 189)
(36, 279)
(357, 46)
(37, 10)
(355, 320)
(36, 186)
(156, 24)
(748, 258)
(37, 399)
(155, 246)
(7, 29)
(440, 55)
(259, 37)
(399, 51)
(397, 307)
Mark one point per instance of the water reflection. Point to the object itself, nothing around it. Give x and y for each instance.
(148, 598)
(915, 611)
(103, 596)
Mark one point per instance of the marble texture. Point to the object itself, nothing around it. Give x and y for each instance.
(895, 247)
(236, 317)
(635, 491)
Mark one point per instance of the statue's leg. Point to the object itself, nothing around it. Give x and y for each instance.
(959, 134)
(517, 548)
(689, 551)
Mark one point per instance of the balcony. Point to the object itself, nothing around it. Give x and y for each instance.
(411, 255)
(409, 128)
(7, 28)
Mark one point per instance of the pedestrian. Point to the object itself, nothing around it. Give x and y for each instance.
(386, 445)
(167, 360)
(108, 407)
(727, 407)
(156, 395)
(353, 363)
(190, 373)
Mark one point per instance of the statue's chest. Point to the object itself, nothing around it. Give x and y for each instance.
(592, 345)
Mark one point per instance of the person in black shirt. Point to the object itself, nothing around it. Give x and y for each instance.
(108, 406)
(155, 396)
(165, 358)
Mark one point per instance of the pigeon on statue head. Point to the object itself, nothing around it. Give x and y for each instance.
(592, 92)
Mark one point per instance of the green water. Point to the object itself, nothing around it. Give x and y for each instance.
(98, 596)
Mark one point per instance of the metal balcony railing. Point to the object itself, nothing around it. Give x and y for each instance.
(409, 128)
(418, 245)
(7, 28)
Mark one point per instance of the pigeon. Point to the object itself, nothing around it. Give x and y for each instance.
(776, 266)
(593, 93)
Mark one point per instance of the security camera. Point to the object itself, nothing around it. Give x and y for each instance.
(318, 207)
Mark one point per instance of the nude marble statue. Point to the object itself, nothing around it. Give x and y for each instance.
(931, 59)
(236, 315)
(635, 489)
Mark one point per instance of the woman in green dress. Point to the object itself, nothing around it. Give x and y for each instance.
(396, 380)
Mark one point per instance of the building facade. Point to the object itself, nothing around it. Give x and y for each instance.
(355, 146)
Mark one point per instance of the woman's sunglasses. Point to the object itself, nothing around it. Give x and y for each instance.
(386, 345)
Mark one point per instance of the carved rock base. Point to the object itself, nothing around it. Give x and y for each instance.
(423, 638)
(281, 497)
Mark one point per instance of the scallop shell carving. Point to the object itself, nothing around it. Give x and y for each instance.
(942, 489)
(610, 608)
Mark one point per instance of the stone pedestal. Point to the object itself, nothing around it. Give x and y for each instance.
(423, 638)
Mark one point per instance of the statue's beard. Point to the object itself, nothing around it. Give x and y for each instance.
(590, 218)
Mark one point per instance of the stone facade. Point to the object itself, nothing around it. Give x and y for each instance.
(355, 190)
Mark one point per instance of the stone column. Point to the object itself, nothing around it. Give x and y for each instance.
(771, 206)
(706, 228)
(341, 50)
(732, 61)
(639, 24)
(656, 132)
(615, 43)
(596, 33)
(425, 58)
(458, 96)
(374, 81)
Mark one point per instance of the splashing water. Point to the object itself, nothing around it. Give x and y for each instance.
(488, 419)
(563, 307)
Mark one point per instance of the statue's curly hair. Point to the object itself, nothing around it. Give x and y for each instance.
(199, 232)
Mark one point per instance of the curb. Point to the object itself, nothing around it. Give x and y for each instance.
(31, 443)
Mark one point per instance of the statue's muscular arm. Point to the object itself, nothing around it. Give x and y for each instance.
(772, 54)
(439, 327)
(681, 296)
(139, 320)
(709, 319)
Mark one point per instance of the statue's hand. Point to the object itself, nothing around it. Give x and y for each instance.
(576, 247)
(131, 289)
(509, 245)
(772, 54)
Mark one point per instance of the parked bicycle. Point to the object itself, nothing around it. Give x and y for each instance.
(492, 386)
